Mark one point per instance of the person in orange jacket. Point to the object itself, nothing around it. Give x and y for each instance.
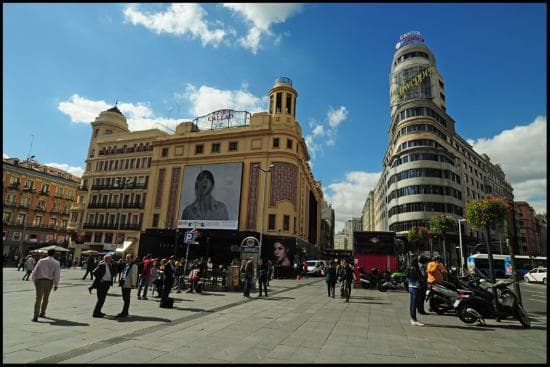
(436, 270)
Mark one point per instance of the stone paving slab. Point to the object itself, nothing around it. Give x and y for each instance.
(297, 323)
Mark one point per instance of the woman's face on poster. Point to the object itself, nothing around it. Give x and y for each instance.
(279, 251)
(203, 185)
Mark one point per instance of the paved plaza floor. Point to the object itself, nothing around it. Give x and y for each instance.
(297, 323)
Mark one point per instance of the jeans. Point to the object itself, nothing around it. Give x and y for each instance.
(420, 296)
(262, 282)
(414, 294)
(331, 286)
(102, 289)
(144, 283)
(247, 286)
(347, 287)
(126, 298)
(43, 289)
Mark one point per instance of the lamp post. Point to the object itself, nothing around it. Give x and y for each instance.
(461, 250)
(265, 171)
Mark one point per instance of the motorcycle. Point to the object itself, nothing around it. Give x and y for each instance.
(370, 280)
(442, 295)
(397, 280)
(477, 305)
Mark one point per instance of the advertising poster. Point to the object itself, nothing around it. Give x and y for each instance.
(211, 196)
(282, 252)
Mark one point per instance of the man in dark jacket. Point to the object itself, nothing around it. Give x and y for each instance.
(248, 270)
(422, 285)
(90, 266)
(168, 282)
(103, 281)
(262, 277)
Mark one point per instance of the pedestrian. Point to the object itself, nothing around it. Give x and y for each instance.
(90, 266)
(347, 278)
(262, 277)
(28, 266)
(45, 275)
(436, 270)
(104, 274)
(270, 271)
(194, 277)
(304, 269)
(21, 262)
(209, 268)
(169, 275)
(414, 276)
(248, 270)
(128, 280)
(330, 277)
(154, 277)
(422, 285)
(145, 276)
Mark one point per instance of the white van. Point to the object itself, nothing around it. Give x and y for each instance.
(314, 267)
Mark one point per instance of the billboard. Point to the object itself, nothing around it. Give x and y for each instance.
(211, 196)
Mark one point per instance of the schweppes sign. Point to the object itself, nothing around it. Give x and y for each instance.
(414, 81)
(409, 37)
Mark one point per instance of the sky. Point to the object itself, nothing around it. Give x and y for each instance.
(168, 63)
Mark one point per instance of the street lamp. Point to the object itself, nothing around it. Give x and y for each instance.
(460, 241)
(263, 203)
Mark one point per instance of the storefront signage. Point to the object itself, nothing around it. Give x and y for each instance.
(222, 119)
(414, 81)
(408, 38)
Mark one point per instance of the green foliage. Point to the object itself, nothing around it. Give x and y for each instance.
(441, 224)
(418, 234)
(490, 209)
(400, 246)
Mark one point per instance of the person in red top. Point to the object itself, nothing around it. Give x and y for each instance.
(145, 276)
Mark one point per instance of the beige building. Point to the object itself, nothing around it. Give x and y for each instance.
(141, 181)
(428, 168)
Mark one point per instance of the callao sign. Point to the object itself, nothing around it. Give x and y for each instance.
(408, 38)
(221, 115)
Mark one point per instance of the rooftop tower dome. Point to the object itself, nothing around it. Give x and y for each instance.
(282, 100)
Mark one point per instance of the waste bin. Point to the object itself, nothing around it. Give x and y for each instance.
(233, 278)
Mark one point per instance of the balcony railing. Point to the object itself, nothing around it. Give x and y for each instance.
(60, 196)
(127, 186)
(45, 193)
(29, 189)
(40, 208)
(82, 188)
(13, 185)
(24, 206)
(112, 226)
(10, 204)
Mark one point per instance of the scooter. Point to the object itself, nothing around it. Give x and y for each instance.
(442, 295)
(477, 305)
(397, 280)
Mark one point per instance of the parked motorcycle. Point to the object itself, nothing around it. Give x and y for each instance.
(477, 305)
(370, 280)
(442, 295)
(397, 280)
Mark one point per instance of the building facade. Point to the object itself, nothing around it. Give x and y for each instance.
(428, 168)
(526, 220)
(37, 200)
(327, 227)
(148, 183)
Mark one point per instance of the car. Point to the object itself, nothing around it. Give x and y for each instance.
(536, 275)
(315, 267)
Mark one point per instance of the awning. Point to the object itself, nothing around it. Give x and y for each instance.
(125, 246)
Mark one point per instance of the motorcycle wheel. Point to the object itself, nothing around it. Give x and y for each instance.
(365, 285)
(381, 287)
(436, 307)
(464, 316)
(523, 317)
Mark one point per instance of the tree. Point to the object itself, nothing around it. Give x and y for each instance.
(418, 237)
(440, 225)
(481, 214)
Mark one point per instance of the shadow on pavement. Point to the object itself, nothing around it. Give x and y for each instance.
(132, 318)
(473, 327)
(272, 298)
(61, 322)
(191, 309)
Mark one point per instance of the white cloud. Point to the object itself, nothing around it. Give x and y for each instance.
(327, 130)
(138, 115)
(178, 19)
(336, 117)
(5, 156)
(261, 17)
(348, 196)
(205, 99)
(521, 152)
(77, 171)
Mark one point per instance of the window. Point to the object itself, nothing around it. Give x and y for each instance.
(275, 142)
(271, 222)
(286, 222)
(6, 216)
(289, 143)
(45, 188)
(233, 146)
(288, 103)
(155, 220)
(278, 102)
(271, 104)
(59, 191)
(199, 148)
(164, 152)
(21, 219)
(215, 147)
(37, 221)
(16, 236)
(98, 236)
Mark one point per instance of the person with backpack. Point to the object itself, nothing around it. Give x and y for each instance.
(414, 277)
(145, 276)
(346, 274)
(330, 277)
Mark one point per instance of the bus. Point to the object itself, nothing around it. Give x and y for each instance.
(524, 263)
(374, 249)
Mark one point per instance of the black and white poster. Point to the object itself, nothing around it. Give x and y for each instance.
(211, 196)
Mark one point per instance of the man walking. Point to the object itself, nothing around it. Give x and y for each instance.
(169, 276)
(90, 265)
(262, 277)
(45, 275)
(330, 277)
(248, 270)
(422, 285)
(145, 276)
(347, 278)
(128, 280)
(28, 266)
(269, 271)
(104, 280)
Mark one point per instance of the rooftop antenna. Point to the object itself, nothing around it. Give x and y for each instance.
(30, 149)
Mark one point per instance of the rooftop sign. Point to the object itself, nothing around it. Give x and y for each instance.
(408, 38)
(222, 118)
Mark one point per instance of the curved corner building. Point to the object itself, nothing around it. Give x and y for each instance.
(428, 168)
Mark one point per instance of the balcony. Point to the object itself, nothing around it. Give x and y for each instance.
(115, 226)
(104, 205)
(24, 206)
(13, 186)
(10, 204)
(133, 206)
(40, 208)
(45, 193)
(29, 189)
(82, 188)
(59, 196)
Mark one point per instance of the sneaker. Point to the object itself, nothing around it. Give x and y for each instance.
(416, 323)
(35, 319)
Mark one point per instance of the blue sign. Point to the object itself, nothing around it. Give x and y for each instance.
(189, 237)
(508, 265)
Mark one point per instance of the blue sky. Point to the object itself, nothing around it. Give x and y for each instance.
(64, 63)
